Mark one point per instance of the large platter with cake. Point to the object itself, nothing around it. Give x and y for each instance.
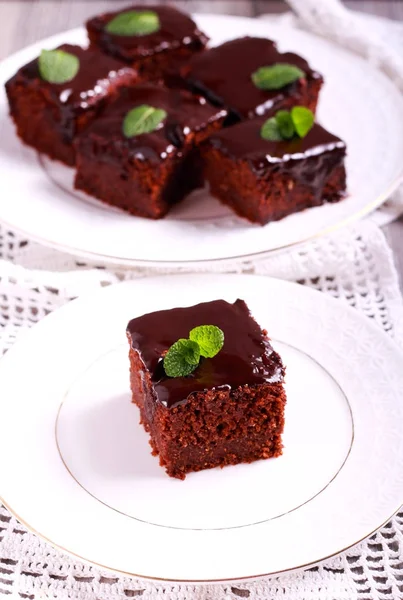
(178, 141)
(299, 400)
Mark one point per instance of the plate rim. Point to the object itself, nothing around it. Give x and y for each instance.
(240, 579)
(287, 285)
(124, 262)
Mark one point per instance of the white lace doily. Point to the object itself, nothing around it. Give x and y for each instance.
(354, 265)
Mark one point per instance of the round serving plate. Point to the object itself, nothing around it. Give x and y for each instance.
(71, 433)
(358, 103)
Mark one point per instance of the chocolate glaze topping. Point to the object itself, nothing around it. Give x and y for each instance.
(97, 76)
(97, 73)
(177, 30)
(244, 142)
(186, 114)
(247, 357)
(223, 75)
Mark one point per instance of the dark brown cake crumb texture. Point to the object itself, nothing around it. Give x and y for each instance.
(212, 428)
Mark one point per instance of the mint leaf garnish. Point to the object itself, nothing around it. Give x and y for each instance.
(276, 76)
(270, 131)
(303, 120)
(142, 119)
(182, 358)
(57, 66)
(285, 124)
(134, 22)
(209, 338)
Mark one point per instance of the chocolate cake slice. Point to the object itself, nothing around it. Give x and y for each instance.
(48, 116)
(224, 75)
(229, 410)
(265, 180)
(147, 173)
(172, 37)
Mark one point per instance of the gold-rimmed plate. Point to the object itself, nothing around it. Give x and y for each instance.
(358, 103)
(71, 436)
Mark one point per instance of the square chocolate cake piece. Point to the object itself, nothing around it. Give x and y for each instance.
(151, 38)
(224, 75)
(265, 180)
(48, 116)
(146, 173)
(229, 410)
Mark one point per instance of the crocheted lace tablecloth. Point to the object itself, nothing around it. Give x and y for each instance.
(354, 265)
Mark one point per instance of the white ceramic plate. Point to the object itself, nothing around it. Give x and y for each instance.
(71, 438)
(358, 103)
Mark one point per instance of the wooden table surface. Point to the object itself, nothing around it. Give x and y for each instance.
(23, 22)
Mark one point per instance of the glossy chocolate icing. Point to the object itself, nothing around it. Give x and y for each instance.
(177, 30)
(244, 142)
(247, 357)
(223, 75)
(186, 114)
(96, 75)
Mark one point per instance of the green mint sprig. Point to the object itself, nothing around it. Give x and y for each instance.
(134, 22)
(184, 355)
(303, 120)
(142, 119)
(277, 76)
(57, 66)
(182, 358)
(209, 338)
(286, 125)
